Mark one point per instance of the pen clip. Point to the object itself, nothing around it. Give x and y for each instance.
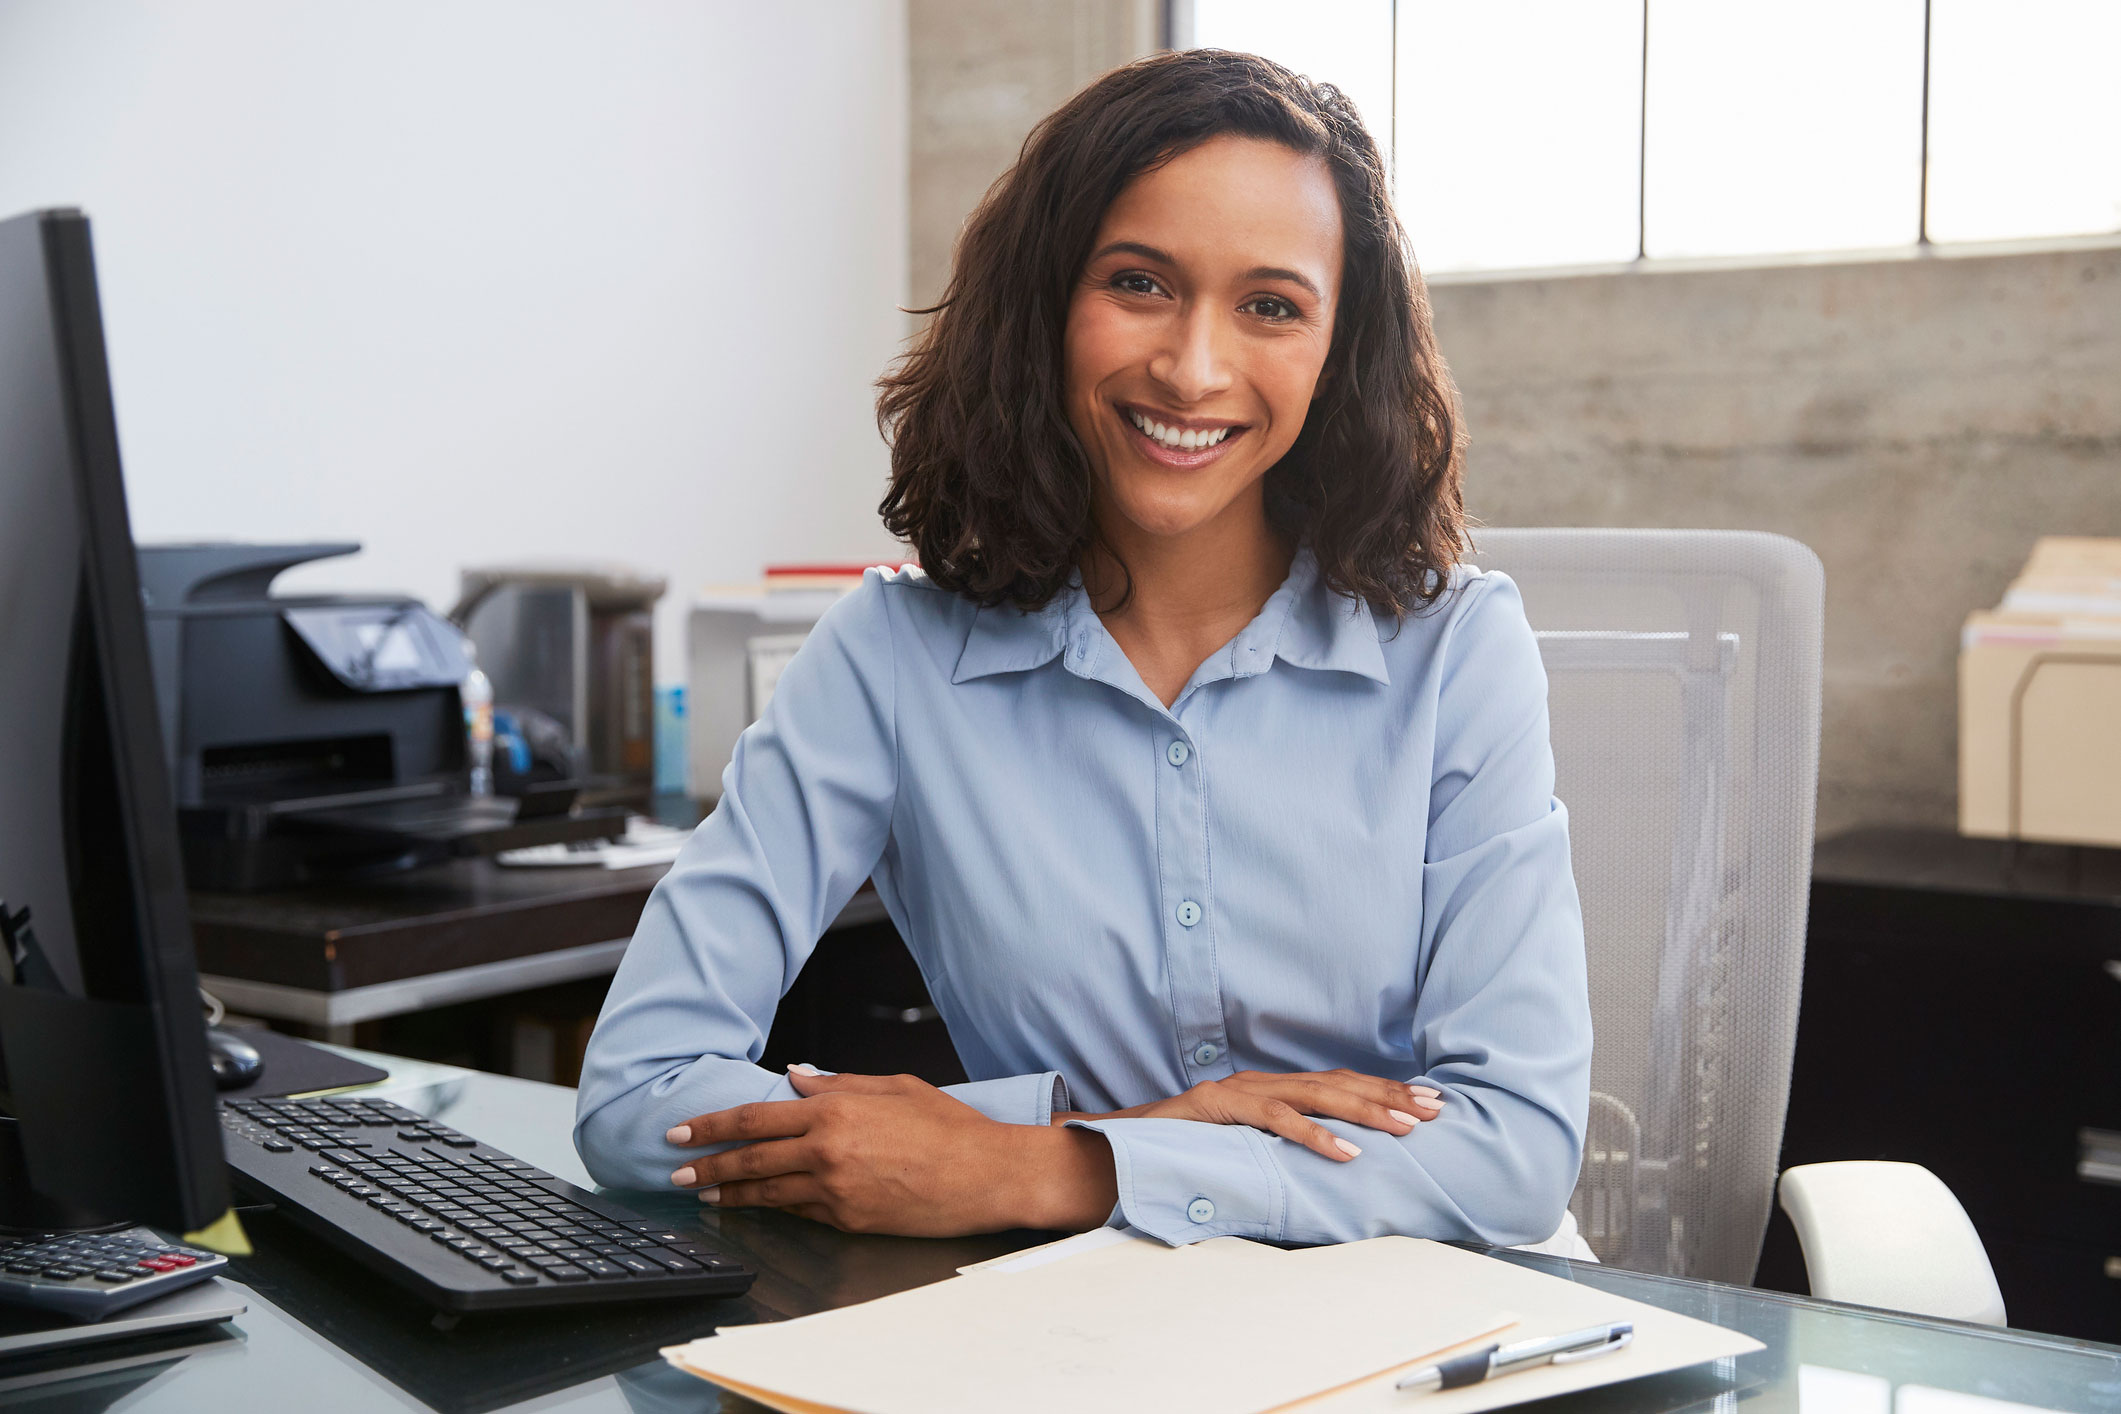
(1619, 1341)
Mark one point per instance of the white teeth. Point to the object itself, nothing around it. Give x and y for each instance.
(1175, 439)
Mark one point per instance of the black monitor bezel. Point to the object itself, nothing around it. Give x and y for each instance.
(178, 1138)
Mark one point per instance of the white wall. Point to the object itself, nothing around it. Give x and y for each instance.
(485, 279)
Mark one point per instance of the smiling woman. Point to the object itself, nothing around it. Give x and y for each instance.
(1221, 197)
(1211, 794)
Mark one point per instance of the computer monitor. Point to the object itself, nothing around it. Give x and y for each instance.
(109, 1101)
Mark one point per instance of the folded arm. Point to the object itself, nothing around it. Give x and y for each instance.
(1502, 1018)
(804, 818)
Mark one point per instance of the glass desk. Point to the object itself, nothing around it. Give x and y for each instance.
(322, 1335)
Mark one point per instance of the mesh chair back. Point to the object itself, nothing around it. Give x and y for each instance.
(1683, 671)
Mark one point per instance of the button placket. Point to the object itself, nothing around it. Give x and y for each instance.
(1183, 857)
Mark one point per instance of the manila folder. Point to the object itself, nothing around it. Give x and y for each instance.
(1225, 1326)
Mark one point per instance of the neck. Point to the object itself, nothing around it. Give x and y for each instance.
(1179, 598)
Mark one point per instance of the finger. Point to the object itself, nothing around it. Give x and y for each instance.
(1428, 1101)
(809, 1080)
(748, 1161)
(780, 1191)
(745, 1124)
(1387, 1097)
(1358, 1099)
(1281, 1117)
(1317, 1096)
(1392, 1093)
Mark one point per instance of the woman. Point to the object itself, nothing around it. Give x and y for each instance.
(1213, 798)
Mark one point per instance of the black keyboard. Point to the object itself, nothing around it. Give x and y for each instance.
(88, 1275)
(466, 1226)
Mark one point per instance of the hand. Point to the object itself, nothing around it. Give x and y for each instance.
(877, 1153)
(1278, 1104)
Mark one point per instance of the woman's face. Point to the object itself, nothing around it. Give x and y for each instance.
(1198, 330)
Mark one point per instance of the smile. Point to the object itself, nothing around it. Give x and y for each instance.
(1181, 446)
(1174, 438)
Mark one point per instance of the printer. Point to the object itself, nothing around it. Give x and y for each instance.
(312, 737)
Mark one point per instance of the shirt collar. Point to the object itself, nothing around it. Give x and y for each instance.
(1303, 623)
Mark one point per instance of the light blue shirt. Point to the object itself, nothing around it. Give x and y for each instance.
(1339, 847)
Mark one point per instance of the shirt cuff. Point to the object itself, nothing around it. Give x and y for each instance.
(1015, 1099)
(1182, 1180)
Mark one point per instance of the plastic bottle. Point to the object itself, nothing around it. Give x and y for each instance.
(477, 693)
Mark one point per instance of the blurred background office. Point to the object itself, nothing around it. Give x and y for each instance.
(479, 283)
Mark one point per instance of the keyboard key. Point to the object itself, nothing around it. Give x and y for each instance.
(637, 1264)
(565, 1273)
(278, 1146)
(516, 1276)
(116, 1274)
(671, 1261)
(497, 1263)
(603, 1270)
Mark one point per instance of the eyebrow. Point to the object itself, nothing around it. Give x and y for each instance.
(1258, 272)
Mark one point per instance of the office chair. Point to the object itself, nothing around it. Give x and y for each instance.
(1684, 672)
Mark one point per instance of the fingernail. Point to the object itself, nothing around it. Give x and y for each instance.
(712, 1194)
(680, 1134)
(683, 1177)
(1425, 1092)
(805, 1068)
(1346, 1148)
(1402, 1116)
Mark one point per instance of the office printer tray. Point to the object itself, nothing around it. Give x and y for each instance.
(248, 846)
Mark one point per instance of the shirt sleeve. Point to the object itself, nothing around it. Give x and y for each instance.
(804, 817)
(1502, 1021)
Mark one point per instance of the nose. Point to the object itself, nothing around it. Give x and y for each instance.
(1194, 363)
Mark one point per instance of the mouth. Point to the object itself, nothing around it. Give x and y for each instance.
(1178, 444)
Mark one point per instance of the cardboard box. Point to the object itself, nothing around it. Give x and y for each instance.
(2040, 701)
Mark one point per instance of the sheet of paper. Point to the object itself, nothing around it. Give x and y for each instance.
(1221, 1327)
(1545, 1305)
(1059, 1251)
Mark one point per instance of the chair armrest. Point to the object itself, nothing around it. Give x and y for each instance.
(1890, 1235)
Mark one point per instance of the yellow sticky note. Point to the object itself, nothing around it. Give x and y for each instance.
(224, 1235)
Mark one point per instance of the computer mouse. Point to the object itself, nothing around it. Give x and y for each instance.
(236, 1062)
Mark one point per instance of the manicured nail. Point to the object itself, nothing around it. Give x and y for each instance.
(712, 1194)
(1402, 1116)
(1425, 1092)
(1346, 1148)
(680, 1134)
(805, 1068)
(684, 1177)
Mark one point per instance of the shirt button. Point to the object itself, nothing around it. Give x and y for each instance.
(1201, 1210)
(1205, 1053)
(1188, 913)
(1178, 753)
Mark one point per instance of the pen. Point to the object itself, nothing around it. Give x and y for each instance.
(1490, 1360)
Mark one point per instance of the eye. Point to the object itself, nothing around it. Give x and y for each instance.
(1272, 307)
(1135, 282)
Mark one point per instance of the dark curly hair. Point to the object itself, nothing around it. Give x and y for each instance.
(989, 482)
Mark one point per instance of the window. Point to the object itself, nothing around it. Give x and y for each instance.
(1568, 132)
